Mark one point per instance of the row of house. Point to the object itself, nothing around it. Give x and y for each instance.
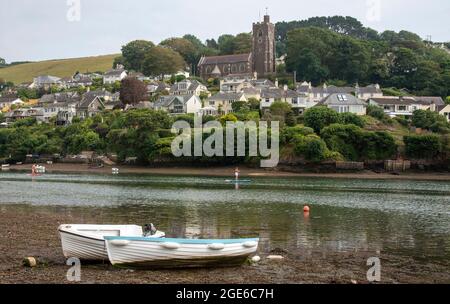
(65, 106)
(184, 98)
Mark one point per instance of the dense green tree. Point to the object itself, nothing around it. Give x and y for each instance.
(423, 146)
(134, 54)
(160, 60)
(185, 48)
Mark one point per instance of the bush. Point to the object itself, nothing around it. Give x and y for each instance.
(350, 118)
(312, 147)
(288, 133)
(430, 121)
(319, 117)
(354, 143)
(377, 112)
(422, 146)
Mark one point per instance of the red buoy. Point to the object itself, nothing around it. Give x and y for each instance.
(306, 209)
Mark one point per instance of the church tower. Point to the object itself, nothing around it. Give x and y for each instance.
(264, 47)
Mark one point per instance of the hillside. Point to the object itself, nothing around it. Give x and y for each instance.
(61, 68)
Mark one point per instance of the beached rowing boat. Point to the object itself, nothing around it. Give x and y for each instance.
(135, 252)
(87, 242)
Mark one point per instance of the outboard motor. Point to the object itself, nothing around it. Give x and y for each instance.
(149, 230)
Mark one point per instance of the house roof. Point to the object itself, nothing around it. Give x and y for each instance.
(226, 96)
(165, 101)
(60, 97)
(226, 59)
(114, 72)
(88, 99)
(341, 99)
(278, 93)
(428, 100)
(47, 79)
(307, 88)
(191, 85)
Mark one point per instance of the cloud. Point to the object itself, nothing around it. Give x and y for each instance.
(39, 30)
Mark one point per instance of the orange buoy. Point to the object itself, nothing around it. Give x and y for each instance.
(306, 209)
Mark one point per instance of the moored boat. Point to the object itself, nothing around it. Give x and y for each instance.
(87, 242)
(136, 252)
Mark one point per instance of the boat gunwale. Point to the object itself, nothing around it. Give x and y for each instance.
(183, 241)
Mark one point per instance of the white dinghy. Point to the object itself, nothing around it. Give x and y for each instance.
(135, 252)
(87, 242)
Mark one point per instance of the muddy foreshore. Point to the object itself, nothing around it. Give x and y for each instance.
(32, 232)
(229, 171)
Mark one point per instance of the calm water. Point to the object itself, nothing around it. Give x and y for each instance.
(410, 218)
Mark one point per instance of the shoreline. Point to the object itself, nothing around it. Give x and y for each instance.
(229, 172)
(299, 266)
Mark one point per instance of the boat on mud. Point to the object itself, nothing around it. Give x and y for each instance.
(138, 252)
(87, 242)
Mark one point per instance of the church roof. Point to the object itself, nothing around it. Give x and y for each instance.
(226, 59)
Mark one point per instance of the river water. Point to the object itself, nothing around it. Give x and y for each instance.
(408, 218)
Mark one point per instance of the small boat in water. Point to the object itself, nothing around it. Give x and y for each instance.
(87, 242)
(136, 252)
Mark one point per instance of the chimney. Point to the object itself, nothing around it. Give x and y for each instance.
(276, 83)
(285, 88)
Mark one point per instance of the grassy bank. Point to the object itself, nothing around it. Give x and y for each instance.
(61, 68)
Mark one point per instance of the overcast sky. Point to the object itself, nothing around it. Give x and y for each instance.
(41, 29)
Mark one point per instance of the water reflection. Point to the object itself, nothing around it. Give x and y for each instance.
(397, 217)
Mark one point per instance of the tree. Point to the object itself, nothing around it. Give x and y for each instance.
(2, 62)
(185, 48)
(160, 60)
(132, 91)
(226, 44)
(447, 100)
(243, 43)
(319, 117)
(350, 118)
(229, 117)
(134, 54)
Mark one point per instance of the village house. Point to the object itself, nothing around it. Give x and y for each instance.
(179, 104)
(316, 94)
(223, 101)
(89, 106)
(158, 87)
(46, 82)
(406, 105)
(294, 99)
(444, 110)
(114, 75)
(20, 114)
(189, 87)
(344, 103)
(6, 102)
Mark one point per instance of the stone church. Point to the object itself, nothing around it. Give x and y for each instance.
(260, 61)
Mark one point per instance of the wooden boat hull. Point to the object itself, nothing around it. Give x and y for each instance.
(178, 253)
(87, 242)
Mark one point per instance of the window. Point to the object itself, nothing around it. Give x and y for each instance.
(267, 100)
(295, 100)
(342, 97)
(402, 108)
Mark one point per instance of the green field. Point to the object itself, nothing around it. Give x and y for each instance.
(61, 68)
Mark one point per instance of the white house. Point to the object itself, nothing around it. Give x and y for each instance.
(344, 103)
(444, 111)
(114, 75)
(293, 98)
(46, 82)
(316, 94)
(8, 101)
(179, 104)
(223, 102)
(405, 106)
(188, 87)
